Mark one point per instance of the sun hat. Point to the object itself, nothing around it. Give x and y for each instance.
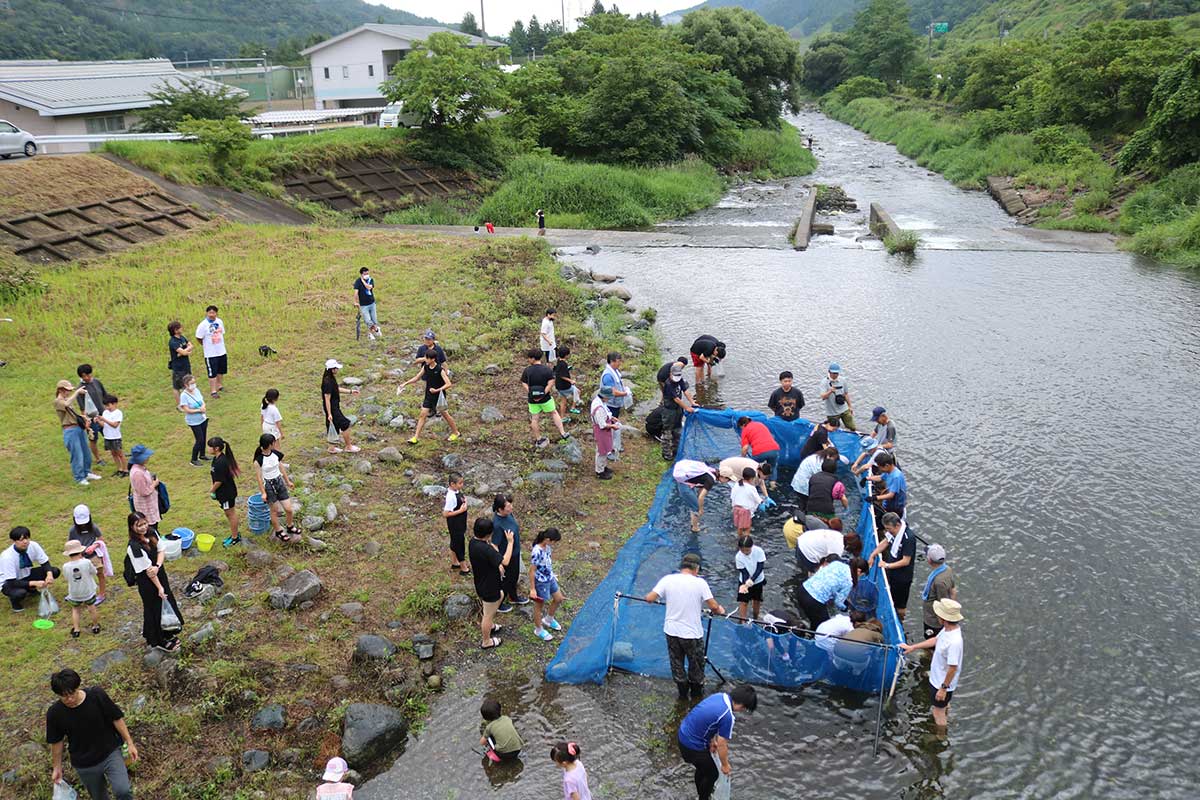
(935, 552)
(333, 363)
(65, 385)
(335, 769)
(835, 368)
(676, 371)
(82, 514)
(139, 454)
(428, 334)
(868, 443)
(876, 412)
(74, 546)
(606, 391)
(949, 610)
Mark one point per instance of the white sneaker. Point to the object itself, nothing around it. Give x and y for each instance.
(93, 476)
(83, 482)
(370, 337)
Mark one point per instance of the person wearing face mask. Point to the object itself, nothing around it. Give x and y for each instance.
(364, 298)
(677, 401)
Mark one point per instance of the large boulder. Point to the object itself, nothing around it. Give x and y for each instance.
(298, 588)
(370, 731)
(112, 657)
(491, 414)
(546, 477)
(390, 455)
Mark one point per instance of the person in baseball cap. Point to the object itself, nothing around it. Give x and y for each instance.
(334, 786)
(429, 342)
(885, 430)
(940, 585)
(836, 396)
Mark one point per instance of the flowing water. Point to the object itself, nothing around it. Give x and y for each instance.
(1042, 395)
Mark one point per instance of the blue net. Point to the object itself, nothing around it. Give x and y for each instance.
(614, 632)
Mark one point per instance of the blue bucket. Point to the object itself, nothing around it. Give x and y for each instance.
(258, 515)
(186, 537)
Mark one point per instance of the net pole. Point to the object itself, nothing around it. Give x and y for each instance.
(879, 710)
(707, 638)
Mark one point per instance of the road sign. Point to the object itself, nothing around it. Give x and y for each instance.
(941, 27)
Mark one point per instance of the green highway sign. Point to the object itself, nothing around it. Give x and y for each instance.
(941, 27)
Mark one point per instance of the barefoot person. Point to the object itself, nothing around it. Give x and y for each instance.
(946, 667)
(698, 476)
(435, 401)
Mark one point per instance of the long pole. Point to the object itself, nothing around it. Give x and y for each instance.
(879, 710)
(564, 15)
(482, 25)
(267, 78)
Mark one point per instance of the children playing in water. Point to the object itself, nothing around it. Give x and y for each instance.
(745, 499)
(499, 734)
(575, 785)
(750, 561)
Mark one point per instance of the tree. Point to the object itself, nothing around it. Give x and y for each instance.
(518, 40)
(224, 141)
(537, 36)
(597, 8)
(1171, 135)
(762, 57)
(445, 81)
(469, 25)
(191, 99)
(826, 63)
(882, 45)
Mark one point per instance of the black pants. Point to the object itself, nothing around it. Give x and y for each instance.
(816, 611)
(672, 421)
(508, 582)
(690, 649)
(152, 630)
(200, 434)
(706, 770)
(16, 590)
(458, 539)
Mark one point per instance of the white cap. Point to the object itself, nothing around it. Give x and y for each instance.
(82, 514)
(333, 363)
(335, 769)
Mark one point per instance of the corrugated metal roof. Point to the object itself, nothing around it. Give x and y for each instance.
(56, 88)
(407, 32)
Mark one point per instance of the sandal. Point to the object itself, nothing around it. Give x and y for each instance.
(282, 536)
(95, 629)
(496, 629)
(353, 449)
(294, 530)
(492, 645)
(74, 633)
(464, 572)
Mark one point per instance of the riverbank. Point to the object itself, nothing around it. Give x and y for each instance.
(376, 539)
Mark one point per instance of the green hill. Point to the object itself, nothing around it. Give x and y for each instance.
(83, 29)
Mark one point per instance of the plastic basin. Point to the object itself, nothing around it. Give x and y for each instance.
(204, 542)
(186, 537)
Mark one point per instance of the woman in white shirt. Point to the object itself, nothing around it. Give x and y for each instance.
(272, 420)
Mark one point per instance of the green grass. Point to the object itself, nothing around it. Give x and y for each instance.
(767, 154)
(1087, 223)
(1164, 218)
(1176, 242)
(903, 242)
(435, 212)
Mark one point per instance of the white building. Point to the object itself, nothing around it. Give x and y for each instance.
(59, 98)
(347, 69)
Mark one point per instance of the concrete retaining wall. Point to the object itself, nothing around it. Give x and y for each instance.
(882, 223)
(802, 231)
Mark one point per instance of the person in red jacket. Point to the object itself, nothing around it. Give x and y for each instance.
(759, 444)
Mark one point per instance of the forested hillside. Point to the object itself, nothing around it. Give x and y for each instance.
(100, 29)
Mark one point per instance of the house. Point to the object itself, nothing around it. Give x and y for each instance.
(285, 83)
(347, 69)
(61, 98)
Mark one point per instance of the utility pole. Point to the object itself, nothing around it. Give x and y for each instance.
(482, 24)
(930, 33)
(267, 78)
(564, 15)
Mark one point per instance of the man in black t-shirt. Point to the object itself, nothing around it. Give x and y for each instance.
(538, 380)
(429, 342)
(677, 401)
(706, 351)
(897, 550)
(787, 400)
(435, 402)
(94, 726)
(487, 566)
(664, 372)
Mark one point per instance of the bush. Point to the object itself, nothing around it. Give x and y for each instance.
(903, 242)
(224, 141)
(1174, 196)
(772, 154)
(859, 86)
(17, 278)
(1176, 242)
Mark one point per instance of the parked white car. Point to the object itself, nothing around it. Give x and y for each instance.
(13, 140)
(393, 116)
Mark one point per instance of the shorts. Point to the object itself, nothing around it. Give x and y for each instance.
(568, 393)
(216, 365)
(276, 490)
(90, 601)
(430, 401)
(704, 481)
(112, 445)
(546, 589)
(742, 517)
(177, 380)
(230, 503)
(755, 593)
(696, 362)
(943, 703)
(545, 407)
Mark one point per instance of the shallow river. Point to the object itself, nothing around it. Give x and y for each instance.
(1042, 397)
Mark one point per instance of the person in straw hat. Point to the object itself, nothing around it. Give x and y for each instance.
(946, 667)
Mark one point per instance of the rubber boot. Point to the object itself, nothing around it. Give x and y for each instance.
(697, 691)
(683, 689)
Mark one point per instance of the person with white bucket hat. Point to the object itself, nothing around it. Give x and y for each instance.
(946, 667)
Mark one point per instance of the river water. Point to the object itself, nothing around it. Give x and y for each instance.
(1044, 397)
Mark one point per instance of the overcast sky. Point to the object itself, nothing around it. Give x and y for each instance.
(500, 14)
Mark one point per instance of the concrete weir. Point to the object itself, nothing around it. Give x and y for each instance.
(802, 230)
(882, 223)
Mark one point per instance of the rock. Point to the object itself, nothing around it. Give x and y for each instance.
(555, 464)
(153, 658)
(367, 409)
(325, 462)
(224, 612)
(310, 724)
(255, 760)
(340, 682)
(284, 572)
(370, 647)
(219, 566)
(207, 593)
(424, 651)
(570, 451)
(475, 502)
(433, 490)
(452, 461)
(331, 512)
(390, 455)
(428, 668)
(352, 776)
(395, 625)
(421, 638)
(352, 611)
(259, 559)
(434, 682)
(270, 718)
(291, 756)
(425, 479)
(112, 657)
(372, 548)
(634, 343)
(491, 369)
(641, 325)
(491, 414)
(594, 249)
(312, 523)
(203, 634)
(10, 776)
(459, 606)
(369, 731)
(600, 277)
(363, 467)
(398, 421)
(385, 416)
(138, 703)
(352, 381)
(619, 292)
(228, 600)
(315, 544)
(306, 605)
(546, 477)
(299, 588)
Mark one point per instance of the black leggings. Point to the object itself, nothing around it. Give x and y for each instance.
(706, 770)
(816, 611)
(200, 432)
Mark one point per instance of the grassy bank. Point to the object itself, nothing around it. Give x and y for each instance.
(1164, 218)
(767, 154)
(289, 288)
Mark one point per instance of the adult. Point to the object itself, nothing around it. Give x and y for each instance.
(866, 627)
(74, 432)
(143, 485)
(153, 585)
(488, 566)
(603, 426)
(429, 342)
(940, 585)
(891, 486)
(676, 401)
(869, 452)
(224, 473)
(814, 545)
(697, 476)
(538, 381)
(686, 595)
(836, 395)
(897, 550)
(504, 522)
(336, 423)
(885, 429)
(706, 352)
(179, 348)
(541, 222)
(825, 491)
(95, 549)
(800, 522)
(810, 465)
(664, 372)
(435, 401)
(946, 667)
(818, 439)
(24, 568)
(832, 629)
(831, 583)
(94, 728)
(706, 732)
(91, 403)
(787, 400)
(612, 378)
(732, 469)
(546, 338)
(195, 414)
(364, 298)
(211, 335)
(758, 442)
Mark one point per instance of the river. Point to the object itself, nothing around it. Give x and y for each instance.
(1044, 396)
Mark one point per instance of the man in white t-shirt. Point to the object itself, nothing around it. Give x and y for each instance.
(835, 626)
(686, 594)
(211, 333)
(546, 339)
(946, 666)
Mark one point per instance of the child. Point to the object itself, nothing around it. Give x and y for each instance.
(334, 788)
(435, 402)
(80, 575)
(455, 512)
(111, 420)
(745, 499)
(575, 786)
(566, 390)
(273, 483)
(272, 420)
(499, 734)
(545, 584)
(750, 560)
(224, 473)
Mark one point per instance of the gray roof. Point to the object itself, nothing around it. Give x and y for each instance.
(405, 32)
(60, 88)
